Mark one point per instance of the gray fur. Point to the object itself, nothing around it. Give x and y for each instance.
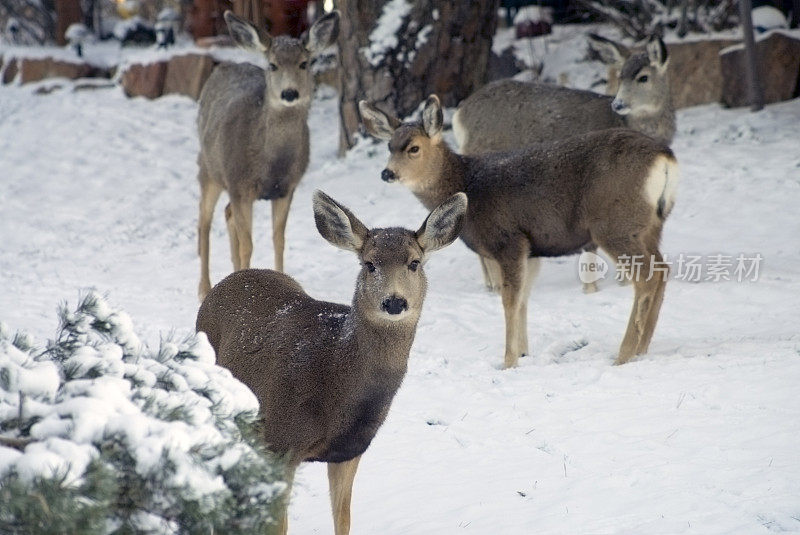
(254, 143)
(508, 114)
(325, 373)
(548, 199)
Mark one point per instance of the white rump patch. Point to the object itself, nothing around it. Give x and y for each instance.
(661, 183)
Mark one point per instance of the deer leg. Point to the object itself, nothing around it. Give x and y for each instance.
(282, 526)
(340, 480)
(658, 273)
(232, 237)
(646, 303)
(532, 270)
(652, 315)
(493, 274)
(280, 213)
(209, 194)
(242, 217)
(590, 287)
(514, 273)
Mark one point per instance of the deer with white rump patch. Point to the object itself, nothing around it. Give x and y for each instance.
(613, 188)
(254, 139)
(509, 114)
(324, 373)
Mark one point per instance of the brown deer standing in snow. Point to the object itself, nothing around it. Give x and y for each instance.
(509, 114)
(254, 140)
(613, 188)
(324, 373)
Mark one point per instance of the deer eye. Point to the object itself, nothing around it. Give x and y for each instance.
(413, 265)
(370, 266)
(642, 79)
(413, 150)
(304, 65)
(273, 67)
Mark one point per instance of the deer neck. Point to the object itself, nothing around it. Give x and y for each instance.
(444, 178)
(383, 345)
(659, 125)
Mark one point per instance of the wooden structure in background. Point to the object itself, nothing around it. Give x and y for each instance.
(750, 67)
(279, 17)
(67, 12)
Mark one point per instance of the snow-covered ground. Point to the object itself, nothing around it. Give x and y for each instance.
(699, 436)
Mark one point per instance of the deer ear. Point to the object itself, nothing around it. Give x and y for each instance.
(323, 33)
(245, 34)
(610, 52)
(377, 123)
(337, 224)
(657, 52)
(432, 117)
(443, 224)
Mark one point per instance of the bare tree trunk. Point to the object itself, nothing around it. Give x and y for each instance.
(67, 12)
(397, 52)
(751, 66)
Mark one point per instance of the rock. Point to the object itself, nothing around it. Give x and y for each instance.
(145, 80)
(216, 40)
(186, 74)
(36, 69)
(695, 74)
(778, 61)
(10, 71)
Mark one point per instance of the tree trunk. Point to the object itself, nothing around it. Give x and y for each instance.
(397, 52)
(67, 12)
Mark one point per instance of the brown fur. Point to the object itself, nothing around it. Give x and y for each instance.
(546, 200)
(509, 114)
(254, 143)
(325, 374)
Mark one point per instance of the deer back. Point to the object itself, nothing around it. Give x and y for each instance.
(509, 114)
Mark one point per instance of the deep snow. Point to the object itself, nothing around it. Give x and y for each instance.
(699, 436)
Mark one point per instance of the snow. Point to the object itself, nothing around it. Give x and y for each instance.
(383, 37)
(698, 436)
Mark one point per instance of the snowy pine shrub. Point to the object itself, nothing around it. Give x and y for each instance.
(99, 434)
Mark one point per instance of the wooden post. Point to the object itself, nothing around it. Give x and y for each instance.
(67, 12)
(795, 14)
(751, 62)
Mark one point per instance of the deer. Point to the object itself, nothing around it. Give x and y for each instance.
(614, 188)
(254, 137)
(325, 373)
(509, 114)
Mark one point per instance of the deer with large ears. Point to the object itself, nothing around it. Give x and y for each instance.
(613, 188)
(325, 374)
(254, 139)
(509, 114)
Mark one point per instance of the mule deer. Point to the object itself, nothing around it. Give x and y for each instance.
(509, 114)
(324, 373)
(613, 188)
(254, 141)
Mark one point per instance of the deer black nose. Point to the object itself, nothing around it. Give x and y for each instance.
(618, 105)
(394, 305)
(289, 94)
(388, 175)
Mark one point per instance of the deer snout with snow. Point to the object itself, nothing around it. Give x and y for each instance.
(613, 188)
(254, 138)
(325, 374)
